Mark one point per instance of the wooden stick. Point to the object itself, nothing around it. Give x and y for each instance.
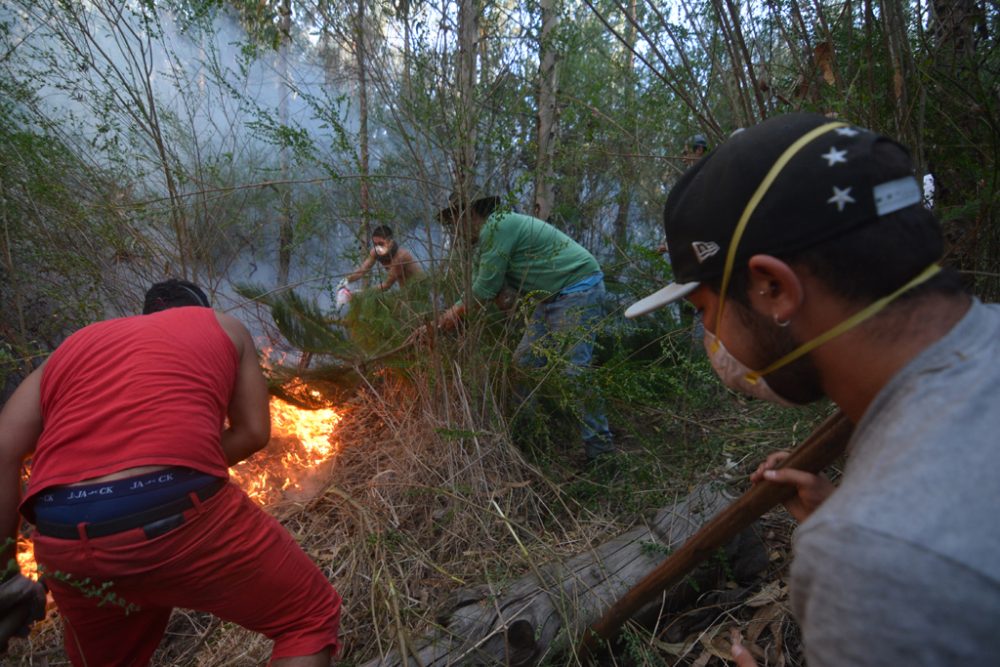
(819, 450)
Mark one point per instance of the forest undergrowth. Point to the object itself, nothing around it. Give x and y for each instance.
(236, 142)
(434, 491)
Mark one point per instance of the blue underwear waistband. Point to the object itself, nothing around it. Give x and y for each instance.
(583, 285)
(113, 499)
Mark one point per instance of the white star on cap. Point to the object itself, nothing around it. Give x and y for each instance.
(847, 131)
(840, 198)
(833, 156)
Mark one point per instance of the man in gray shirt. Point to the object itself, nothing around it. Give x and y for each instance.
(819, 269)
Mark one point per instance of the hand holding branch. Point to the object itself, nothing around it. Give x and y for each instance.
(447, 321)
(811, 490)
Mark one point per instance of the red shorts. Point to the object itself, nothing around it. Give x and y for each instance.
(229, 558)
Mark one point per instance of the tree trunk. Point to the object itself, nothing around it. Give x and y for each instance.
(284, 211)
(548, 118)
(627, 143)
(465, 168)
(548, 610)
(362, 62)
(468, 31)
(901, 60)
(403, 7)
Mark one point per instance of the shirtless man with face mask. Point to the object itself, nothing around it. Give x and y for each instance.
(817, 272)
(399, 262)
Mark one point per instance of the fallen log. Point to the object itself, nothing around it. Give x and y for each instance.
(827, 442)
(545, 611)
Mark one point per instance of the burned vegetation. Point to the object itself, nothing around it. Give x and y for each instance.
(459, 531)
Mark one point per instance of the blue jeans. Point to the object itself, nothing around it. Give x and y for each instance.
(566, 326)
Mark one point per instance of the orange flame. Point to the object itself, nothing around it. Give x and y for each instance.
(26, 558)
(301, 440)
(25, 548)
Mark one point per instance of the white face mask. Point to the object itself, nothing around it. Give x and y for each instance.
(735, 375)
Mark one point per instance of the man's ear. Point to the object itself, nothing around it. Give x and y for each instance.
(775, 288)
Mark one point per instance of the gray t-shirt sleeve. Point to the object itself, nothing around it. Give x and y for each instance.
(864, 598)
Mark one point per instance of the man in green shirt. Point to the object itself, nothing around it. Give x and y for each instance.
(527, 255)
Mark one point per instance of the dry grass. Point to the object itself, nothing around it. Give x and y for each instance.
(418, 505)
(406, 515)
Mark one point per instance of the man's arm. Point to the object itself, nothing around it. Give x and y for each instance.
(20, 426)
(450, 318)
(364, 268)
(497, 240)
(446, 321)
(496, 247)
(249, 408)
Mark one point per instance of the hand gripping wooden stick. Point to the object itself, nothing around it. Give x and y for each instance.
(819, 450)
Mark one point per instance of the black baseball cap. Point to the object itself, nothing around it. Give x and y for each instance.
(784, 185)
(483, 205)
(698, 140)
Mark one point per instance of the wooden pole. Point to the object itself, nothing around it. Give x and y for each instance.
(819, 450)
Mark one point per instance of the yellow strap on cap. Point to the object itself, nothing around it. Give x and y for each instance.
(751, 206)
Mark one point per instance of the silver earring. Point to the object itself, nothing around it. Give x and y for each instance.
(780, 322)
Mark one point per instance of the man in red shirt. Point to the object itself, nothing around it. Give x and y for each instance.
(132, 424)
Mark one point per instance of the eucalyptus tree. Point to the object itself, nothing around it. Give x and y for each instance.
(925, 73)
(548, 112)
(84, 136)
(61, 234)
(177, 105)
(104, 55)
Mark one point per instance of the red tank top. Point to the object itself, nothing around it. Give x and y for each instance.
(144, 390)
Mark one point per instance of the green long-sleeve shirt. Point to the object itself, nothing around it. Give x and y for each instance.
(527, 255)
